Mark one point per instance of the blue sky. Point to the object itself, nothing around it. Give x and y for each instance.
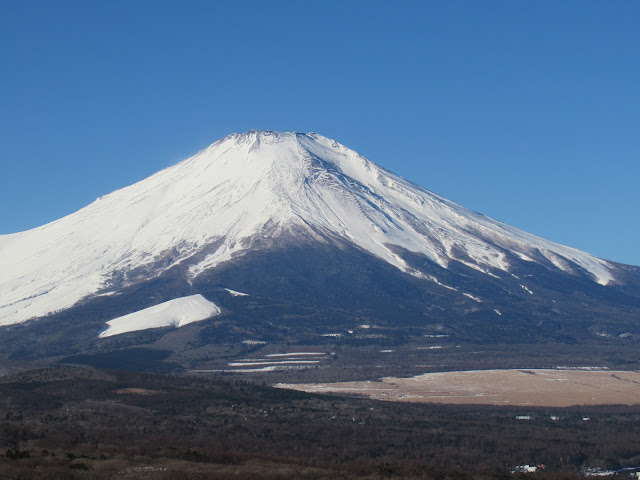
(528, 112)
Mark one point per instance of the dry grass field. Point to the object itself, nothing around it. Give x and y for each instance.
(551, 388)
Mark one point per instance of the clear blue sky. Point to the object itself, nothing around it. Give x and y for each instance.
(528, 112)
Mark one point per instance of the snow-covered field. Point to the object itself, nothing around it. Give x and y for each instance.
(272, 362)
(296, 354)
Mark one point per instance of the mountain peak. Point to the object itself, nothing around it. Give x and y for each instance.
(280, 156)
(268, 136)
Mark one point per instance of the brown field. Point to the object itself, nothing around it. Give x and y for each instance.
(552, 388)
(138, 391)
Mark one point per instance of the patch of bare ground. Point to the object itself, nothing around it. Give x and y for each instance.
(137, 391)
(548, 388)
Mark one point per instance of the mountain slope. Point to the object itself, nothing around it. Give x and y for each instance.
(253, 192)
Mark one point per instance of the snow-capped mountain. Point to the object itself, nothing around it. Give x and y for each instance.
(244, 193)
(272, 243)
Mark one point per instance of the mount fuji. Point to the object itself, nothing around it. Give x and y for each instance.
(271, 237)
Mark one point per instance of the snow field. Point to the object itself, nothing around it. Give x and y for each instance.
(174, 313)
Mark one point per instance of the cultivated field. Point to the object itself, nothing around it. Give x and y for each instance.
(553, 388)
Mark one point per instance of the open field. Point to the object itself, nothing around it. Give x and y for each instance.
(544, 387)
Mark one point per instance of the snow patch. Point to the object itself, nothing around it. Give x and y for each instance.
(438, 282)
(524, 257)
(236, 294)
(473, 297)
(294, 354)
(174, 313)
(281, 362)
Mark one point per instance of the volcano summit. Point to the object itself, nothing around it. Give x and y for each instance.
(291, 235)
